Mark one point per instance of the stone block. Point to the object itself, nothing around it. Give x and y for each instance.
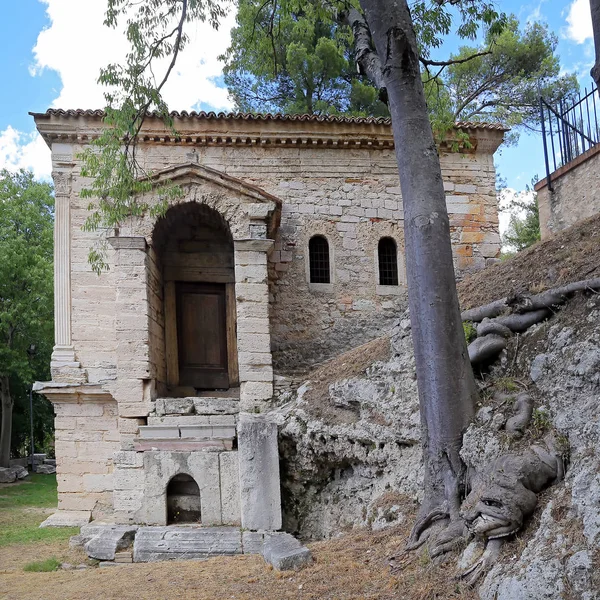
(172, 543)
(110, 540)
(68, 518)
(216, 406)
(98, 483)
(174, 406)
(128, 479)
(254, 342)
(198, 432)
(128, 501)
(260, 496)
(158, 432)
(285, 552)
(256, 390)
(230, 488)
(252, 542)
(128, 459)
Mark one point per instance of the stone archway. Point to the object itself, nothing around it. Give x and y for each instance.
(195, 257)
(183, 500)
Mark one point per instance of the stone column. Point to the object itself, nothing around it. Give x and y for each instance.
(63, 365)
(253, 328)
(133, 387)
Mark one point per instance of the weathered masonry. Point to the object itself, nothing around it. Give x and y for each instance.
(285, 249)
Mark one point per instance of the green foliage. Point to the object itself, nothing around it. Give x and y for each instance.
(506, 385)
(298, 57)
(294, 57)
(26, 297)
(470, 331)
(540, 422)
(503, 83)
(524, 224)
(18, 523)
(42, 566)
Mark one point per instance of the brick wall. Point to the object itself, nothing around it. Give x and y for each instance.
(575, 195)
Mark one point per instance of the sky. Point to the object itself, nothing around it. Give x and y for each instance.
(51, 52)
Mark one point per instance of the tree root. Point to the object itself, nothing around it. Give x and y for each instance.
(523, 409)
(481, 566)
(485, 348)
(522, 303)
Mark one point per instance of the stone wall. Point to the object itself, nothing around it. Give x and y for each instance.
(338, 180)
(575, 194)
(86, 438)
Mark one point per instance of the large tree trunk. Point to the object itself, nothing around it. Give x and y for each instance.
(447, 389)
(595, 8)
(6, 427)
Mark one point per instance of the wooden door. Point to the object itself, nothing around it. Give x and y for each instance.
(202, 335)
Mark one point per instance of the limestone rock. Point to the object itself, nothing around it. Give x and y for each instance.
(285, 552)
(45, 469)
(346, 455)
(12, 474)
(170, 543)
(260, 496)
(109, 540)
(68, 518)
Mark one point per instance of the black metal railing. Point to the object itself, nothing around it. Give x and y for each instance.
(569, 129)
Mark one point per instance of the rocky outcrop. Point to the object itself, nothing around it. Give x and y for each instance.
(561, 557)
(354, 457)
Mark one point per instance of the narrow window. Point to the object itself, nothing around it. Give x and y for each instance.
(388, 262)
(318, 254)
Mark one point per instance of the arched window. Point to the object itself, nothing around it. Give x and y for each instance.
(318, 255)
(388, 261)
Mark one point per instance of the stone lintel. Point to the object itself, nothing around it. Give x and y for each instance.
(180, 445)
(253, 245)
(72, 392)
(128, 243)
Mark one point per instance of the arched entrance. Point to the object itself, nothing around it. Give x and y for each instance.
(183, 500)
(194, 249)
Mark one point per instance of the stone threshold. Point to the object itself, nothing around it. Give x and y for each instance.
(121, 544)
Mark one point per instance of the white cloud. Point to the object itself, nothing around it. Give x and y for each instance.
(77, 44)
(24, 151)
(579, 20)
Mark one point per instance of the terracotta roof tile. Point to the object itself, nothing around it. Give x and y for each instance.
(258, 117)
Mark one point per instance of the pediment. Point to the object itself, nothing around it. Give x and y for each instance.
(190, 173)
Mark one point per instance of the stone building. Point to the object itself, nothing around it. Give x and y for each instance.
(285, 249)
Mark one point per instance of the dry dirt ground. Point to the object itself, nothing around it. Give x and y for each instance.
(571, 255)
(354, 566)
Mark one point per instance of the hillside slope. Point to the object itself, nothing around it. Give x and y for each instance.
(571, 255)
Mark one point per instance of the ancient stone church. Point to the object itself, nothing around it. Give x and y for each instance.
(285, 249)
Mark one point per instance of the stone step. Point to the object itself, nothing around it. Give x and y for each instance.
(190, 432)
(173, 542)
(200, 405)
(176, 420)
(107, 541)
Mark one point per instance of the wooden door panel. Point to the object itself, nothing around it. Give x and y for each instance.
(202, 335)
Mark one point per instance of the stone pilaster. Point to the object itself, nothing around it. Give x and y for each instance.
(133, 387)
(63, 365)
(253, 328)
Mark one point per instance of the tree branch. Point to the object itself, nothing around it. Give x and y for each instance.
(453, 61)
(367, 59)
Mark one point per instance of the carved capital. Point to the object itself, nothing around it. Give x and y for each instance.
(62, 183)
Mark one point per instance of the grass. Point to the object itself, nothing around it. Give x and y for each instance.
(42, 566)
(22, 510)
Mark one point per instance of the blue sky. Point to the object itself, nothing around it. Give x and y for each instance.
(51, 51)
